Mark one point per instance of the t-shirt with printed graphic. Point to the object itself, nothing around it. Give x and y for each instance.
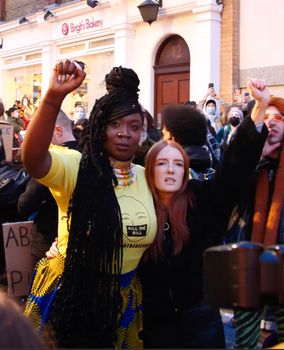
(136, 204)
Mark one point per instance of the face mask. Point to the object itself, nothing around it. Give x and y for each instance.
(25, 102)
(79, 115)
(16, 115)
(210, 110)
(234, 121)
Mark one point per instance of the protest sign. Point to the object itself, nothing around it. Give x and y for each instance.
(17, 237)
(7, 131)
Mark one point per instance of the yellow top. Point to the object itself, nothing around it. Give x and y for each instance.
(135, 200)
(278, 346)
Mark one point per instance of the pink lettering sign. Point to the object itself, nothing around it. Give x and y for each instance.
(84, 24)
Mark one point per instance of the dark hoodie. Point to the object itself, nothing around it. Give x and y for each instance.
(200, 162)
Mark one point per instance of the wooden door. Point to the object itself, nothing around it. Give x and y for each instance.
(172, 74)
(171, 88)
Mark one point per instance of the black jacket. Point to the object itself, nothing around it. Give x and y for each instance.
(175, 282)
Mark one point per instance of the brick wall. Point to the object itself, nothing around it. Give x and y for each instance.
(19, 8)
(2, 10)
(230, 49)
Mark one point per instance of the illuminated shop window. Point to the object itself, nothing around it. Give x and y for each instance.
(93, 87)
(22, 81)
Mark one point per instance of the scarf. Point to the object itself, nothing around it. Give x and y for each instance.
(267, 217)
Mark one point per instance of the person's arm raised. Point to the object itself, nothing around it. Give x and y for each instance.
(260, 93)
(209, 92)
(66, 77)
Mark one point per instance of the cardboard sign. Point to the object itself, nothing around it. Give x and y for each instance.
(17, 237)
(7, 136)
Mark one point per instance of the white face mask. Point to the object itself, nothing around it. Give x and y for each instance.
(210, 110)
(16, 115)
(79, 115)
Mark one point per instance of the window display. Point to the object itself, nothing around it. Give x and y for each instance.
(20, 82)
(93, 87)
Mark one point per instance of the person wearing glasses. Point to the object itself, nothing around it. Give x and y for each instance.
(263, 210)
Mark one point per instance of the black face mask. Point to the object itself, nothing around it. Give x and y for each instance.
(234, 121)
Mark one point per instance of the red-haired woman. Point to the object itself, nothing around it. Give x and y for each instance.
(175, 315)
(190, 217)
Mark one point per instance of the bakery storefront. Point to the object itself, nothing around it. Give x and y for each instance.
(173, 57)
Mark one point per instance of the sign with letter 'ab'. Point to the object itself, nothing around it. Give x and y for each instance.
(17, 243)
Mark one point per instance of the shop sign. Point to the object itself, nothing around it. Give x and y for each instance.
(80, 26)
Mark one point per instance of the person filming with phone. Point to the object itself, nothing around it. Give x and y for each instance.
(210, 105)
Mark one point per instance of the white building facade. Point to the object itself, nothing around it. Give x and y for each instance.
(113, 34)
(175, 58)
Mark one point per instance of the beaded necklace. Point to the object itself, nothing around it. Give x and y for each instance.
(123, 171)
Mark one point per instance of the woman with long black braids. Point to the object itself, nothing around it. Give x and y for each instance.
(89, 295)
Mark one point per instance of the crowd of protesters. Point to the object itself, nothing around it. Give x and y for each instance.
(123, 265)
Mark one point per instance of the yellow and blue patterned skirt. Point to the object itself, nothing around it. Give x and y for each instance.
(131, 319)
(46, 282)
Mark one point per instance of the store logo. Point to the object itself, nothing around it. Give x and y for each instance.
(84, 24)
(65, 29)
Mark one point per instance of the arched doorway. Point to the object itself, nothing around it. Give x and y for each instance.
(172, 74)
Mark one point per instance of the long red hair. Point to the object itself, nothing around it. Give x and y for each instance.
(178, 208)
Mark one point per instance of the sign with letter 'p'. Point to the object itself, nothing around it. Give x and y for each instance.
(17, 244)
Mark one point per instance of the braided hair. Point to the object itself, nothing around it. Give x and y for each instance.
(86, 307)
